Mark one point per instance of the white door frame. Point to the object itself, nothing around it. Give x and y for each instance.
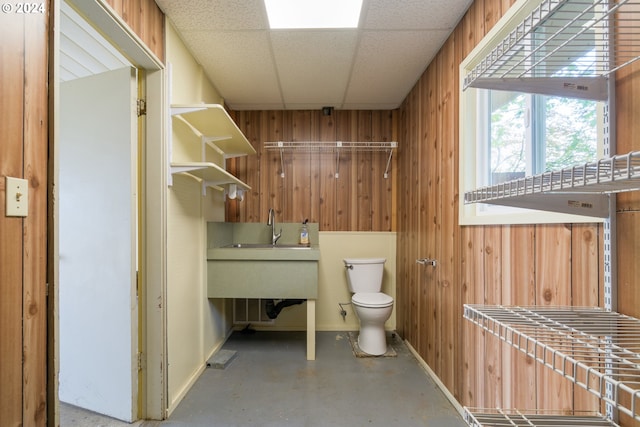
(153, 174)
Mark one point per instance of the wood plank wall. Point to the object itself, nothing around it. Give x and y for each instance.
(146, 19)
(628, 204)
(530, 264)
(24, 127)
(23, 244)
(359, 199)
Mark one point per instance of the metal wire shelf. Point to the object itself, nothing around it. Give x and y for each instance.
(336, 147)
(590, 347)
(332, 146)
(565, 39)
(482, 417)
(611, 175)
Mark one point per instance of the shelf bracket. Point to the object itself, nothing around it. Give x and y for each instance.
(281, 159)
(589, 88)
(211, 142)
(386, 170)
(338, 147)
(591, 205)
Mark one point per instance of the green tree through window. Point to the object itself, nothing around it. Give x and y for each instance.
(531, 134)
(571, 132)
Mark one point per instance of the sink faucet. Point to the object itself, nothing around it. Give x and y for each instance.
(271, 222)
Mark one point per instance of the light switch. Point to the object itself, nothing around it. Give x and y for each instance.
(17, 202)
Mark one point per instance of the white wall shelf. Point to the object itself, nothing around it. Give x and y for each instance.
(212, 123)
(336, 147)
(210, 173)
(581, 190)
(598, 37)
(593, 348)
(210, 126)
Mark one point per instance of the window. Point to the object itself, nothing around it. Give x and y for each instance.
(522, 134)
(507, 135)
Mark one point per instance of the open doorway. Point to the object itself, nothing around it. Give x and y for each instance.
(110, 221)
(98, 201)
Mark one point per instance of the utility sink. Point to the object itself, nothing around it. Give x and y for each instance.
(261, 270)
(265, 246)
(258, 270)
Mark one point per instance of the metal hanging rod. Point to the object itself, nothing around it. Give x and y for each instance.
(336, 147)
(331, 145)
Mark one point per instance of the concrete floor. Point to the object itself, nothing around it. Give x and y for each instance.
(270, 383)
(71, 416)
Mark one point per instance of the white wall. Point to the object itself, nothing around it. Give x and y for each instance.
(196, 326)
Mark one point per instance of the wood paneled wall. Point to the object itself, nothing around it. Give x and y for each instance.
(529, 264)
(146, 19)
(524, 265)
(359, 199)
(23, 244)
(628, 204)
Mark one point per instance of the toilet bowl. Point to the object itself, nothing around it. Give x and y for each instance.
(373, 310)
(372, 307)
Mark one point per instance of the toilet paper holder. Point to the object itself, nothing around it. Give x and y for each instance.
(427, 261)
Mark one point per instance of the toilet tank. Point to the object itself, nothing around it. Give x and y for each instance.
(364, 274)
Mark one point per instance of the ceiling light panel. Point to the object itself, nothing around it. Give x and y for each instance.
(298, 14)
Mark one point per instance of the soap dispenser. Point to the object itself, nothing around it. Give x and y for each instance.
(304, 234)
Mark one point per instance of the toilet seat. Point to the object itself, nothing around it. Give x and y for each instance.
(372, 299)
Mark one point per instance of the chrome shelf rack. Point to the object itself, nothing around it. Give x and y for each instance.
(582, 190)
(593, 348)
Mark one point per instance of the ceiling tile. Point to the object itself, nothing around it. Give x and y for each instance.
(216, 14)
(314, 66)
(413, 14)
(239, 64)
(389, 63)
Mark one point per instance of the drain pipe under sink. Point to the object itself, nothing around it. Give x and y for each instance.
(273, 309)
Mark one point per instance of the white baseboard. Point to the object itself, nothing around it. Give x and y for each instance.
(435, 378)
(194, 377)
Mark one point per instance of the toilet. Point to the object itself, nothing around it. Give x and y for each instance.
(372, 307)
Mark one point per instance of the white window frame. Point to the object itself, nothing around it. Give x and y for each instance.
(479, 213)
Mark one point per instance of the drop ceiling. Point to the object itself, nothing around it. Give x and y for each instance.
(371, 67)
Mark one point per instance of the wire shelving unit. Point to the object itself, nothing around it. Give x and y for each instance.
(580, 189)
(478, 417)
(568, 48)
(591, 347)
(336, 147)
(574, 43)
